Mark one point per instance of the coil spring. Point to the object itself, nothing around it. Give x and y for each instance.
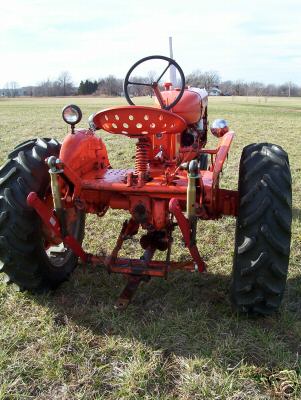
(142, 155)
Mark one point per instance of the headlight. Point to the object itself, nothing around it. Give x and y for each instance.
(72, 114)
(219, 127)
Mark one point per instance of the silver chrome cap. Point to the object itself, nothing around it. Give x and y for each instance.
(219, 127)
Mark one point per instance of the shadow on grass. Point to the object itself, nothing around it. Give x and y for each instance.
(188, 316)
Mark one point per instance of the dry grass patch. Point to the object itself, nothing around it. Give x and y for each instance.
(179, 339)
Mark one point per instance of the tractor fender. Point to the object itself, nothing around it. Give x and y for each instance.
(83, 152)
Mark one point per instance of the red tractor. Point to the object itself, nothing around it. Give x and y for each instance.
(46, 188)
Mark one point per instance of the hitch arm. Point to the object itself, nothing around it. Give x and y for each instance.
(51, 221)
(175, 209)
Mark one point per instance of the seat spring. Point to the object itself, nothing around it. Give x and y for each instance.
(142, 155)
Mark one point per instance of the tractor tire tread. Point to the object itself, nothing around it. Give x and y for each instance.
(22, 254)
(254, 215)
(6, 177)
(247, 244)
(21, 147)
(263, 230)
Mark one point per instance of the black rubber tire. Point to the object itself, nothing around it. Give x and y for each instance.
(263, 230)
(23, 257)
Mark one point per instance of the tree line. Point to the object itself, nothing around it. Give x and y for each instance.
(113, 86)
(210, 79)
(62, 86)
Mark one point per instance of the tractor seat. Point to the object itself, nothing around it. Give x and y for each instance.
(138, 121)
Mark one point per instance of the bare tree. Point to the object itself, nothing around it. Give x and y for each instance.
(256, 88)
(239, 88)
(211, 79)
(271, 90)
(64, 83)
(226, 87)
(289, 89)
(151, 77)
(11, 89)
(207, 79)
(110, 86)
(44, 88)
(63, 86)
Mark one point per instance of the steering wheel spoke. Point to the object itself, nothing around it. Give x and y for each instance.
(155, 84)
(160, 77)
(140, 84)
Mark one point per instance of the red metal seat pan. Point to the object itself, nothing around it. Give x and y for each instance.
(137, 121)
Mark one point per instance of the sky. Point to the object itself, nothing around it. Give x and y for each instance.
(248, 40)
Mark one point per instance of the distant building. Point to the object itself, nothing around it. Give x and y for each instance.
(215, 91)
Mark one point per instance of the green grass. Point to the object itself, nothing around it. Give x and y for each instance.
(178, 339)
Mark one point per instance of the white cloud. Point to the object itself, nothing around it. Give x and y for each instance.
(256, 40)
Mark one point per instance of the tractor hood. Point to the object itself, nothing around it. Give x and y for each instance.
(192, 105)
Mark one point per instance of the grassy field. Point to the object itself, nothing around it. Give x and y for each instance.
(179, 338)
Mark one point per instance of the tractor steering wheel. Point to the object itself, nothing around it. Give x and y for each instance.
(155, 85)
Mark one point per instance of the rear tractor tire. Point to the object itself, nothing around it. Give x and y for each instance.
(25, 259)
(263, 230)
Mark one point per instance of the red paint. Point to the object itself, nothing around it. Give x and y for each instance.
(138, 121)
(154, 192)
(175, 209)
(190, 107)
(52, 223)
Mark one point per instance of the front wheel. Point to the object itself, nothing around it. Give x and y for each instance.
(27, 256)
(263, 230)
